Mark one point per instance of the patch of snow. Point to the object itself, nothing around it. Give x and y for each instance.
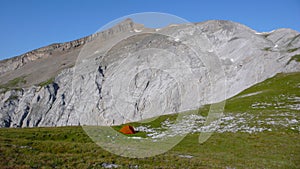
(137, 30)
(176, 39)
(264, 33)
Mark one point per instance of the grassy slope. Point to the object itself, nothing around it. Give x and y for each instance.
(70, 147)
(12, 84)
(273, 90)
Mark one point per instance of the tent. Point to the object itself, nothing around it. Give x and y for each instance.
(127, 129)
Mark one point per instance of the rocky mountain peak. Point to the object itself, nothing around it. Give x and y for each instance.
(129, 72)
(58, 49)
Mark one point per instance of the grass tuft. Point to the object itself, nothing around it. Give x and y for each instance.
(47, 82)
(295, 58)
(292, 50)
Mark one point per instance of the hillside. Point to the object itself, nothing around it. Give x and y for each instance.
(259, 129)
(129, 73)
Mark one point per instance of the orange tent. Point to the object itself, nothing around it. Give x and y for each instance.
(127, 130)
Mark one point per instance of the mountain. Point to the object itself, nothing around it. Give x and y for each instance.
(130, 73)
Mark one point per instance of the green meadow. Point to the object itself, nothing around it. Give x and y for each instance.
(272, 105)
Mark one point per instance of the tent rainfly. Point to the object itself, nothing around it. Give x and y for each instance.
(127, 130)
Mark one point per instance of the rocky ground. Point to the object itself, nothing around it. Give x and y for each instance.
(244, 122)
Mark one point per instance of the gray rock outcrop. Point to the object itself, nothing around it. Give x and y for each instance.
(130, 73)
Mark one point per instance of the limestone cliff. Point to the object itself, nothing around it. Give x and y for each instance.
(129, 72)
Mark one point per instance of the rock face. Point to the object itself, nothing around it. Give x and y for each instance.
(129, 73)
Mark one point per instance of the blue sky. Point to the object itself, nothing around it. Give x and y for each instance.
(29, 24)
